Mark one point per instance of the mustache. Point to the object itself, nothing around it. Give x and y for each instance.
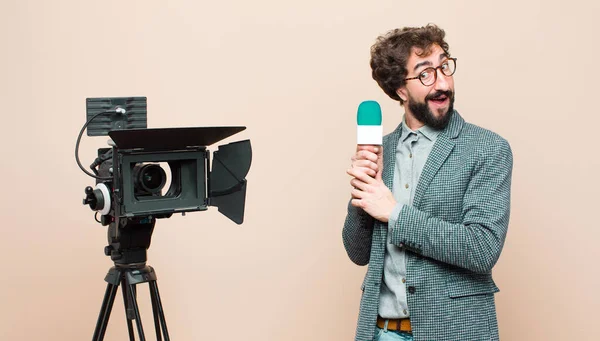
(437, 94)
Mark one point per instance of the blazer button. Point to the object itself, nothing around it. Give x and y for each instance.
(411, 289)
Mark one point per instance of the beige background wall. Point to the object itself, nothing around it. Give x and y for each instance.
(294, 73)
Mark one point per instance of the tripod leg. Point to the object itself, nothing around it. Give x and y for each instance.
(155, 312)
(138, 319)
(128, 309)
(107, 303)
(158, 309)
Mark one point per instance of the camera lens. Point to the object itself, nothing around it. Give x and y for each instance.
(149, 178)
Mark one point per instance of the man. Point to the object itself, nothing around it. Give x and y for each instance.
(430, 207)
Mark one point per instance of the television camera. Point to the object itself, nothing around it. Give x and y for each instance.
(149, 174)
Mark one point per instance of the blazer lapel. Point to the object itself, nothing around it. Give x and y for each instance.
(439, 153)
(389, 157)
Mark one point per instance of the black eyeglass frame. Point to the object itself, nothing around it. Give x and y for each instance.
(434, 72)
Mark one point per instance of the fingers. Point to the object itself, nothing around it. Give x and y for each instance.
(369, 171)
(368, 147)
(365, 155)
(365, 164)
(369, 167)
(356, 203)
(356, 194)
(365, 171)
(359, 185)
(361, 175)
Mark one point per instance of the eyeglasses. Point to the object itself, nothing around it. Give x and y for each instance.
(428, 76)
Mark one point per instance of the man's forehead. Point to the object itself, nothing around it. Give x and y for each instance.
(418, 54)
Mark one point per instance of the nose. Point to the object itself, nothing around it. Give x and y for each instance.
(441, 82)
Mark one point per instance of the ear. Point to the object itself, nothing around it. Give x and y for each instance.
(402, 93)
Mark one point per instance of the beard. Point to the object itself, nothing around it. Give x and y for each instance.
(422, 112)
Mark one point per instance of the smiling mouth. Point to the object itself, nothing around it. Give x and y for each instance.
(440, 99)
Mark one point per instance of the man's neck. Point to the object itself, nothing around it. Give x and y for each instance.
(411, 121)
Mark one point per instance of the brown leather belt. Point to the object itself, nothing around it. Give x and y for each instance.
(401, 325)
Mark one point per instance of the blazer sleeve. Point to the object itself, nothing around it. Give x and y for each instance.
(475, 243)
(358, 234)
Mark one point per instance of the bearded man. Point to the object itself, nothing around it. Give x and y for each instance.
(430, 207)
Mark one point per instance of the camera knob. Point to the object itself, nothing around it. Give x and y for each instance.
(90, 198)
(107, 250)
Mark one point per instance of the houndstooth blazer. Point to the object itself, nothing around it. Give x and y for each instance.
(453, 234)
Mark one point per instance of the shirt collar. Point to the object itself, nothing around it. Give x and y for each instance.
(430, 133)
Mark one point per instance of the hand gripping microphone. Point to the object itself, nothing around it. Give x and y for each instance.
(369, 130)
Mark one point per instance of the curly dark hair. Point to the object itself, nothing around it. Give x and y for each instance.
(391, 51)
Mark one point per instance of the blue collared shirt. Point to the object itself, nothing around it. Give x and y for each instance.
(412, 152)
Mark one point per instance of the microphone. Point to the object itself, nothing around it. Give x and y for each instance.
(369, 130)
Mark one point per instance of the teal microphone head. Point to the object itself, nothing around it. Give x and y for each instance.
(369, 114)
(369, 128)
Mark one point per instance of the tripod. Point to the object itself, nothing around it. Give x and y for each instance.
(127, 248)
(128, 277)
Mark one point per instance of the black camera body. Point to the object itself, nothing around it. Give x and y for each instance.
(141, 182)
